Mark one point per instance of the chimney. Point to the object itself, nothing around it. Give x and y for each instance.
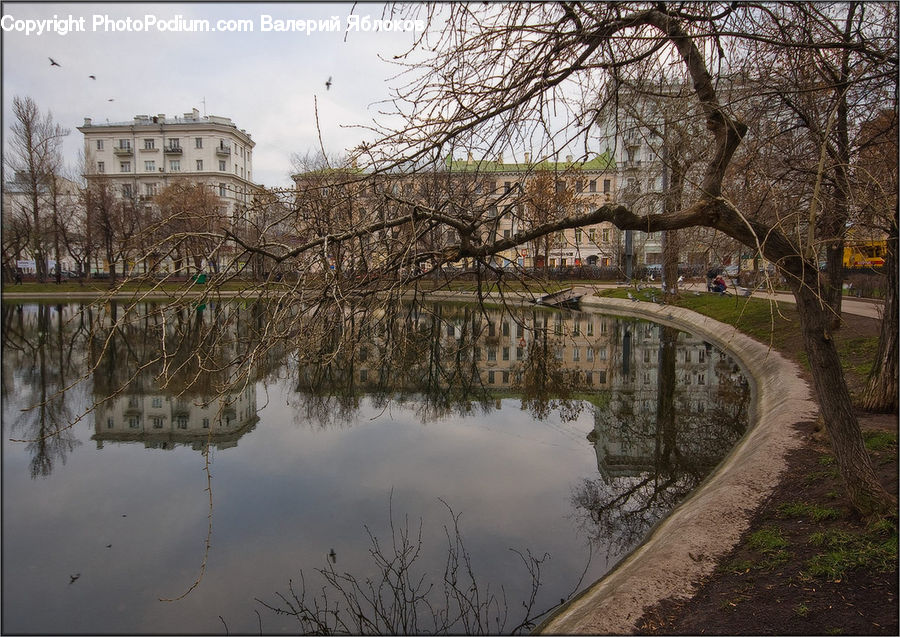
(527, 158)
(87, 121)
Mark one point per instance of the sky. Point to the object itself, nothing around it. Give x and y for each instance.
(266, 81)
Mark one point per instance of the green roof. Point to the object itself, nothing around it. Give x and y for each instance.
(602, 161)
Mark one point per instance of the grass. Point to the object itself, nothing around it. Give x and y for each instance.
(843, 551)
(879, 440)
(814, 512)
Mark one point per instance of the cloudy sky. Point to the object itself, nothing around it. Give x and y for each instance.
(264, 80)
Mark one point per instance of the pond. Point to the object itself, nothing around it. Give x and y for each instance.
(197, 469)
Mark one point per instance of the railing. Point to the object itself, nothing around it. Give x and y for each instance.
(123, 150)
(223, 150)
(173, 150)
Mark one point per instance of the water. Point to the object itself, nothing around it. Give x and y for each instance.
(423, 422)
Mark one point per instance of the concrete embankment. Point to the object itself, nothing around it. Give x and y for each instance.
(684, 547)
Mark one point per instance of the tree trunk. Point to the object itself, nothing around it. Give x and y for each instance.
(866, 493)
(881, 390)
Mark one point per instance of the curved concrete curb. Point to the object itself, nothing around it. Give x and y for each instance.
(685, 546)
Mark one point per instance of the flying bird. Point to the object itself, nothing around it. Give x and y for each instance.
(111, 99)
(54, 62)
(93, 77)
(332, 556)
(328, 84)
(74, 577)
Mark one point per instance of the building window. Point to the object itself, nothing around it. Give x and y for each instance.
(150, 166)
(576, 354)
(199, 164)
(198, 142)
(506, 353)
(175, 165)
(150, 190)
(125, 166)
(99, 144)
(701, 379)
(592, 186)
(157, 422)
(175, 143)
(606, 235)
(127, 192)
(149, 144)
(101, 167)
(590, 354)
(560, 185)
(492, 353)
(222, 165)
(577, 235)
(601, 353)
(134, 422)
(579, 186)
(606, 185)
(206, 423)
(221, 190)
(182, 422)
(125, 144)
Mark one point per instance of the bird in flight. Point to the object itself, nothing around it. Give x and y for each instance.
(72, 578)
(112, 99)
(54, 62)
(93, 77)
(328, 84)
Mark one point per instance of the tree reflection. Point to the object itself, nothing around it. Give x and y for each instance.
(654, 450)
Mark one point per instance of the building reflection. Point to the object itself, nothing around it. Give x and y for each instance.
(162, 421)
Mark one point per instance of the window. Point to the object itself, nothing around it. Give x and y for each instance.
(506, 234)
(506, 353)
(221, 190)
(181, 421)
(149, 144)
(175, 143)
(206, 423)
(110, 423)
(507, 186)
(492, 353)
(592, 186)
(364, 375)
(222, 165)
(134, 422)
(606, 235)
(150, 166)
(150, 190)
(577, 235)
(125, 144)
(576, 354)
(701, 356)
(175, 165)
(520, 353)
(506, 377)
(606, 185)
(590, 328)
(701, 379)
(590, 354)
(125, 167)
(491, 378)
(126, 191)
(101, 167)
(592, 235)
(157, 422)
(601, 353)
(506, 328)
(579, 186)
(646, 355)
(99, 144)
(198, 142)
(199, 164)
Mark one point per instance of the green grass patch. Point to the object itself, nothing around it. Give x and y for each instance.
(842, 551)
(879, 440)
(813, 512)
(767, 540)
(818, 476)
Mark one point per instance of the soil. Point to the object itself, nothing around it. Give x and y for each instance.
(756, 590)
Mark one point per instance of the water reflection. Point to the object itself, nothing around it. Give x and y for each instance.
(647, 411)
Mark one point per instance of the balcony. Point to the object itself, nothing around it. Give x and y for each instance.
(123, 151)
(173, 150)
(223, 151)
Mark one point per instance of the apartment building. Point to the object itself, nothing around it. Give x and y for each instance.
(141, 157)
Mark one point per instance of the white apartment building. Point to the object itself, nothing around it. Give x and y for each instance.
(143, 156)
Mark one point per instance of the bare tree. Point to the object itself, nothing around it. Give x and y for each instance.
(35, 157)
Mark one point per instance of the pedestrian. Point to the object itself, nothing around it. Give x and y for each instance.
(18, 278)
(718, 285)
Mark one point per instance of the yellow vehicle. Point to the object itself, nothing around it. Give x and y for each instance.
(861, 254)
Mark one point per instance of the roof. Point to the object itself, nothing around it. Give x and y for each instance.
(602, 161)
